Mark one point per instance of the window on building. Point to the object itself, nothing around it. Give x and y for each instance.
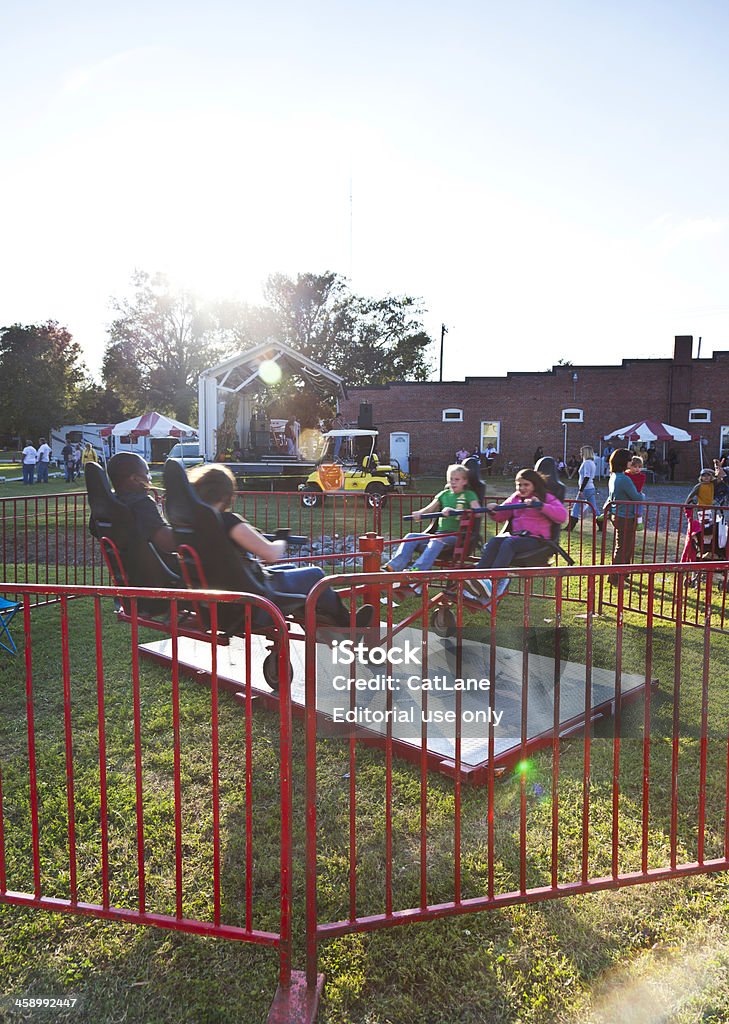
(572, 416)
(490, 434)
(699, 415)
(724, 442)
(453, 415)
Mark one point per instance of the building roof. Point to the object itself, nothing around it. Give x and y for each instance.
(241, 370)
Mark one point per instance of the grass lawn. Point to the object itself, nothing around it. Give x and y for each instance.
(658, 950)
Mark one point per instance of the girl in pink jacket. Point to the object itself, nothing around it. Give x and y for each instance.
(530, 526)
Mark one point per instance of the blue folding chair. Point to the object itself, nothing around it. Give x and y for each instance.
(8, 610)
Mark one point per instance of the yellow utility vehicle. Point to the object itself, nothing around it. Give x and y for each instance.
(349, 465)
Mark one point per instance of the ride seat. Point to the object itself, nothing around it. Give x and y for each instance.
(543, 555)
(469, 527)
(225, 566)
(141, 562)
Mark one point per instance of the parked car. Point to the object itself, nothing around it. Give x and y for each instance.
(188, 453)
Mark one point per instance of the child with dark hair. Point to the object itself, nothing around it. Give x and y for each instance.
(622, 505)
(530, 525)
(215, 485)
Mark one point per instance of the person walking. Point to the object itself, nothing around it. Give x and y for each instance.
(586, 490)
(44, 458)
(30, 457)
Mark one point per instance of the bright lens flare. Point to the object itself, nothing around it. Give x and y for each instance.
(310, 443)
(270, 372)
(523, 767)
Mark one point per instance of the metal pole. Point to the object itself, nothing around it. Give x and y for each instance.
(443, 332)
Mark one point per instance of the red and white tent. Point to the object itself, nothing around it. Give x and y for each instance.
(649, 430)
(150, 424)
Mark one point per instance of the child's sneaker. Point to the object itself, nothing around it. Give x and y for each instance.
(640, 525)
(501, 587)
(484, 589)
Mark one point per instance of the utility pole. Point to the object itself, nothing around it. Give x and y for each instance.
(443, 332)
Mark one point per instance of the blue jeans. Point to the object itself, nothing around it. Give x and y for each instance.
(432, 545)
(589, 495)
(28, 472)
(500, 551)
(42, 472)
(68, 466)
(299, 579)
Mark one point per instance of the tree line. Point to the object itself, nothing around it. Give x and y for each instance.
(163, 337)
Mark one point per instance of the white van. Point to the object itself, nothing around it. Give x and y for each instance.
(188, 452)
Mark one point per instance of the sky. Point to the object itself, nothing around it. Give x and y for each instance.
(550, 178)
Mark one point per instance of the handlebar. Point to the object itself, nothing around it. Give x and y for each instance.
(487, 511)
(292, 540)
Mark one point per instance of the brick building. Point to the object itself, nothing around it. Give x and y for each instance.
(521, 411)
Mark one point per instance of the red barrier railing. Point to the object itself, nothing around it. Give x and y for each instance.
(583, 816)
(45, 539)
(673, 534)
(109, 830)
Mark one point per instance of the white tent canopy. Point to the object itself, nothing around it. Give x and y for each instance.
(153, 424)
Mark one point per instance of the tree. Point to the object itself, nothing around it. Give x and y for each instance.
(367, 341)
(40, 376)
(159, 344)
(94, 404)
(163, 338)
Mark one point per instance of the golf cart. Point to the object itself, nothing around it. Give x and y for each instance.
(349, 465)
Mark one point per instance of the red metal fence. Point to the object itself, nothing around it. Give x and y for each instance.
(115, 801)
(641, 797)
(45, 539)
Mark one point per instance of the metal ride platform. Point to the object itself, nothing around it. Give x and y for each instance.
(414, 704)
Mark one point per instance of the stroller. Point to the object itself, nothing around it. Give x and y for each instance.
(706, 537)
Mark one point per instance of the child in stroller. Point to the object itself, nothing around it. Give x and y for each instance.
(706, 538)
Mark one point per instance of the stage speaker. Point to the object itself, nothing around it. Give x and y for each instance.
(365, 420)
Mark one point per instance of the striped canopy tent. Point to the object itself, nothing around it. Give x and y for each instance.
(647, 431)
(150, 424)
(650, 431)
